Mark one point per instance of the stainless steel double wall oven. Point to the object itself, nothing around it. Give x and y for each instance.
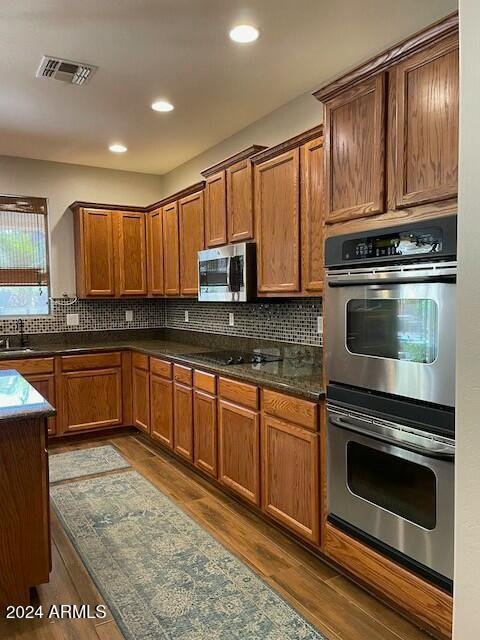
(390, 318)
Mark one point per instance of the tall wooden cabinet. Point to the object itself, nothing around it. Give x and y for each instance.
(289, 216)
(391, 132)
(229, 215)
(192, 240)
(171, 249)
(131, 255)
(154, 222)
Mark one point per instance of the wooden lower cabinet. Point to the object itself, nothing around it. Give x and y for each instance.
(161, 410)
(44, 383)
(183, 430)
(205, 432)
(141, 398)
(290, 476)
(91, 399)
(239, 450)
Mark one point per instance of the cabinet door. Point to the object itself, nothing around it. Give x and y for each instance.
(277, 210)
(205, 432)
(183, 429)
(290, 476)
(239, 450)
(427, 125)
(141, 398)
(312, 208)
(240, 201)
(92, 399)
(131, 254)
(98, 253)
(216, 210)
(161, 410)
(192, 240)
(155, 253)
(44, 383)
(171, 264)
(355, 152)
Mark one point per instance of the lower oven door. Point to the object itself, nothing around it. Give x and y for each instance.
(395, 338)
(401, 498)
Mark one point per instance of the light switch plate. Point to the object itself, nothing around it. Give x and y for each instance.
(129, 315)
(320, 325)
(73, 320)
(231, 320)
(186, 316)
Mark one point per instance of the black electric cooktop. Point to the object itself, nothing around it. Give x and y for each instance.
(236, 357)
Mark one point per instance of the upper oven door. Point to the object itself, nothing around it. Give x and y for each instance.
(395, 338)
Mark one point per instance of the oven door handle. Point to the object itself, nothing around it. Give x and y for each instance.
(392, 435)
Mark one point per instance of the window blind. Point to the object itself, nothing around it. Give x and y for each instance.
(23, 241)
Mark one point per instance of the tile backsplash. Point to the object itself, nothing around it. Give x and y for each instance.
(94, 315)
(293, 320)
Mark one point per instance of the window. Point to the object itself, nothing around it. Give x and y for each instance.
(24, 275)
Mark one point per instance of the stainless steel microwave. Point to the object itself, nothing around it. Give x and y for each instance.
(227, 274)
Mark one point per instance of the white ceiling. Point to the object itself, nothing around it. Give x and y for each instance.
(179, 50)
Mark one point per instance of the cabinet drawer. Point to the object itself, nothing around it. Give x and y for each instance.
(301, 412)
(92, 361)
(205, 381)
(140, 360)
(29, 366)
(161, 368)
(239, 392)
(182, 374)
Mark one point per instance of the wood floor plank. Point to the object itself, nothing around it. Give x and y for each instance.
(322, 605)
(386, 616)
(109, 631)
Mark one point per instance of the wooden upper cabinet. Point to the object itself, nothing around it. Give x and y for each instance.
(131, 254)
(427, 94)
(171, 260)
(355, 151)
(216, 210)
(155, 253)
(94, 249)
(312, 214)
(192, 240)
(277, 214)
(240, 201)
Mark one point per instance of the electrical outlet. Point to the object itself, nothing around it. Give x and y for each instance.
(320, 325)
(73, 319)
(129, 315)
(187, 319)
(231, 320)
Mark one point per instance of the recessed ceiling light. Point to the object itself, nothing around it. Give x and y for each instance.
(244, 33)
(162, 105)
(118, 148)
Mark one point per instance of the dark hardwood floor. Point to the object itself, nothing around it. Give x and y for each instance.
(334, 604)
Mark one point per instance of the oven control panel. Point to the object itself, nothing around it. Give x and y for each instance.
(400, 243)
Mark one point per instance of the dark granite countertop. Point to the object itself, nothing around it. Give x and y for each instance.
(19, 400)
(298, 373)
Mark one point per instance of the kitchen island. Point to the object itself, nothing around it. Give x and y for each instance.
(25, 558)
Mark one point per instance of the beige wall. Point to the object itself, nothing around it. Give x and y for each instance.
(467, 517)
(64, 183)
(294, 117)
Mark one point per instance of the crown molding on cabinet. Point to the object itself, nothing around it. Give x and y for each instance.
(386, 59)
(289, 144)
(237, 157)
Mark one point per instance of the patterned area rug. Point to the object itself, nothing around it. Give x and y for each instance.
(162, 575)
(85, 462)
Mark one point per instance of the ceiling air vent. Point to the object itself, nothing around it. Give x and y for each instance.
(77, 73)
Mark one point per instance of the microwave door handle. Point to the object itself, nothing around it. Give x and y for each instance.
(229, 266)
(404, 439)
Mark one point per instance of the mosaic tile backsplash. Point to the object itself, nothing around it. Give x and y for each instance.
(293, 320)
(93, 315)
